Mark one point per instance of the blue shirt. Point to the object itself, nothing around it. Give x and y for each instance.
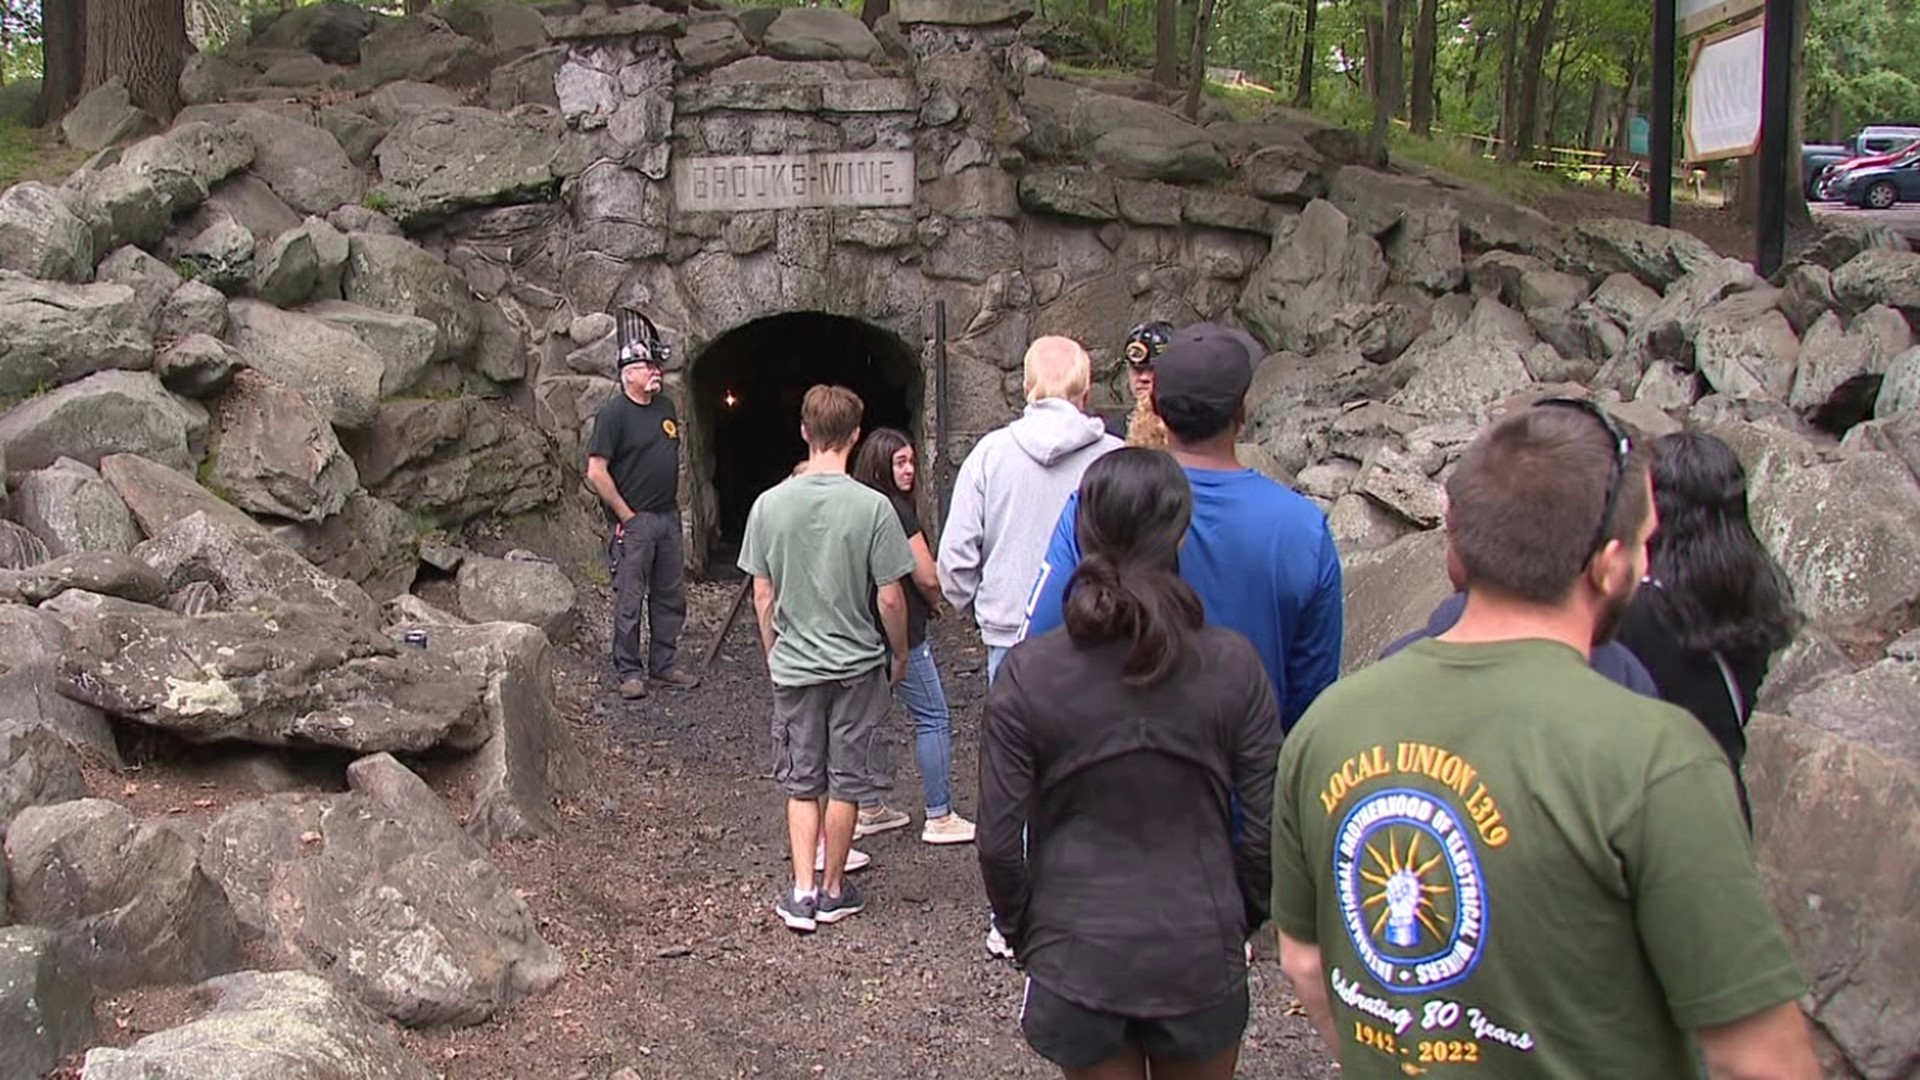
(1264, 563)
(1611, 658)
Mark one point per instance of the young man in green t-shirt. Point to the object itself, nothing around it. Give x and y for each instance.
(1488, 859)
(817, 546)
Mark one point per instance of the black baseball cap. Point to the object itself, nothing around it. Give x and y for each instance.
(1201, 378)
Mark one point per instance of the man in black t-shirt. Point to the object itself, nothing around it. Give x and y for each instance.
(633, 463)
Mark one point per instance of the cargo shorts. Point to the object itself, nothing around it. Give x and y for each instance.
(827, 738)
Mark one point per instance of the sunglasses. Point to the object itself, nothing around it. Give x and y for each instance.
(1622, 450)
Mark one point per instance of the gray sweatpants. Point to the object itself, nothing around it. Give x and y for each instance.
(649, 569)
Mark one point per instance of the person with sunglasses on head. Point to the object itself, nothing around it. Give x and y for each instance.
(1139, 426)
(1112, 753)
(633, 464)
(1488, 858)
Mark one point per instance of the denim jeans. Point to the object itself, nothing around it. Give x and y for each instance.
(926, 702)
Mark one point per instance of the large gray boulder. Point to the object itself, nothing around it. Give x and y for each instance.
(1472, 367)
(1389, 592)
(1746, 349)
(1377, 200)
(1836, 796)
(197, 366)
(112, 412)
(20, 548)
(1131, 139)
(392, 899)
(1847, 532)
(216, 249)
(118, 206)
(247, 566)
(151, 280)
(53, 334)
(104, 116)
(331, 31)
(287, 270)
(1880, 276)
(32, 643)
(405, 343)
(456, 459)
(819, 34)
(41, 237)
(423, 48)
(127, 899)
(529, 763)
(303, 164)
(394, 275)
(68, 505)
(1319, 267)
(274, 453)
(1657, 257)
(37, 768)
(331, 366)
(1900, 391)
(1832, 356)
(437, 162)
(194, 308)
(288, 1025)
(525, 590)
(46, 1003)
(277, 674)
(103, 573)
(370, 542)
(187, 162)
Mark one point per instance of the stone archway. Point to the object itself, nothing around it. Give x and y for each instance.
(743, 392)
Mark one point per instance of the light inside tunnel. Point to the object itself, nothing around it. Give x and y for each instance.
(747, 386)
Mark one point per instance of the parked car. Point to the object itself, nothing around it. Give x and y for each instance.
(1873, 146)
(1814, 159)
(1882, 186)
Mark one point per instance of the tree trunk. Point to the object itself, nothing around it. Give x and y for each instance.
(144, 43)
(1425, 43)
(1303, 90)
(1197, 68)
(872, 11)
(63, 36)
(1383, 63)
(1166, 43)
(416, 7)
(1528, 112)
(1370, 51)
(1799, 214)
(1097, 8)
(1598, 106)
(1480, 39)
(1550, 114)
(1509, 61)
(1623, 119)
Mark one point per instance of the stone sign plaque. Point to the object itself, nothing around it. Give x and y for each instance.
(788, 181)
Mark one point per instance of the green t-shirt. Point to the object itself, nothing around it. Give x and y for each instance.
(826, 541)
(1515, 868)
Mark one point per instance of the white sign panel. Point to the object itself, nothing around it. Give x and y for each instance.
(787, 181)
(1693, 16)
(1724, 90)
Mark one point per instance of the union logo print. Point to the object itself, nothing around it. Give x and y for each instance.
(1411, 895)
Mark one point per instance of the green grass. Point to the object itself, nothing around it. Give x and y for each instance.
(35, 154)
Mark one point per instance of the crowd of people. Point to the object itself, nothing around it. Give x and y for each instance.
(1517, 845)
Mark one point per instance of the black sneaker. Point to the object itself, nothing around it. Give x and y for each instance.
(831, 909)
(801, 916)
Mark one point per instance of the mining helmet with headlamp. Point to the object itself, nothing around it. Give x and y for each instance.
(1144, 342)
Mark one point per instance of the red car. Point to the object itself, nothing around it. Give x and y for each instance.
(1825, 187)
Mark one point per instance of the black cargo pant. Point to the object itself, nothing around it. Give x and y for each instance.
(649, 569)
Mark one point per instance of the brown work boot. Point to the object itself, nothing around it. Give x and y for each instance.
(677, 678)
(633, 689)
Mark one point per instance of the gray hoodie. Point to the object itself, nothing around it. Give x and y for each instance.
(1006, 500)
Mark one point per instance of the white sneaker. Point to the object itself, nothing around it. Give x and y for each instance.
(997, 946)
(879, 819)
(952, 829)
(856, 859)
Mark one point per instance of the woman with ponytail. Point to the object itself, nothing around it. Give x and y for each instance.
(1113, 751)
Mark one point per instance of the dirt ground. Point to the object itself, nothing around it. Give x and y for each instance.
(658, 893)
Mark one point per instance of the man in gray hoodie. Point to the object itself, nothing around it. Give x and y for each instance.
(1010, 491)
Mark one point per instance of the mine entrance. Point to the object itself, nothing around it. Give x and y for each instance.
(746, 389)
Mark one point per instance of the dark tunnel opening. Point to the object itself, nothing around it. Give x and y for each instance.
(746, 390)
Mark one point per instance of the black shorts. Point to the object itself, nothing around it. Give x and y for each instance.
(1075, 1037)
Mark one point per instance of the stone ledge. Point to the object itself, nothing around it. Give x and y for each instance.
(865, 96)
(639, 19)
(962, 12)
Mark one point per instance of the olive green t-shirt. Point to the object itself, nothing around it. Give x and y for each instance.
(826, 541)
(1515, 868)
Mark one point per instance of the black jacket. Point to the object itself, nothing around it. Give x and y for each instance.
(1132, 896)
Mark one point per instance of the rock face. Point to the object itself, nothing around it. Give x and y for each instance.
(53, 334)
(287, 1025)
(533, 591)
(441, 161)
(128, 899)
(393, 275)
(392, 900)
(30, 646)
(273, 453)
(529, 761)
(45, 1003)
(40, 237)
(275, 675)
(158, 496)
(819, 34)
(370, 542)
(1845, 532)
(37, 768)
(1131, 139)
(246, 566)
(1319, 267)
(113, 412)
(68, 505)
(405, 344)
(455, 460)
(1390, 592)
(1836, 793)
(332, 367)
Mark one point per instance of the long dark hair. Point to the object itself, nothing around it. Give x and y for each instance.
(1134, 508)
(1719, 589)
(873, 465)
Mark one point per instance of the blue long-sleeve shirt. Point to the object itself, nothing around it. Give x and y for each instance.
(1264, 564)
